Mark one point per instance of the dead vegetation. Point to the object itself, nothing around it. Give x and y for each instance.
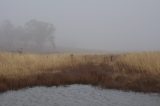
(132, 71)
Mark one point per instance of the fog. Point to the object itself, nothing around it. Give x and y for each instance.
(100, 25)
(33, 36)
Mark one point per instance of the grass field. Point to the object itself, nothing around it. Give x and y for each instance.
(130, 71)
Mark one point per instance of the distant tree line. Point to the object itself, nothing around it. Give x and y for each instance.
(33, 36)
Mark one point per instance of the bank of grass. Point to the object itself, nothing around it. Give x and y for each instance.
(131, 71)
(141, 62)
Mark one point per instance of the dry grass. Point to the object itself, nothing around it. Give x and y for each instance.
(143, 62)
(26, 64)
(132, 71)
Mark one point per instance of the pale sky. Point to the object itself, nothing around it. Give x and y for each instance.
(110, 25)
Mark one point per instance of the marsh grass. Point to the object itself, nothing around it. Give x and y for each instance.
(132, 71)
(142, 62)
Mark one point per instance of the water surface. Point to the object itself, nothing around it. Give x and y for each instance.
(76, 95)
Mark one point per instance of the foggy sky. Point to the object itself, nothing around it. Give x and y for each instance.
(110, 25)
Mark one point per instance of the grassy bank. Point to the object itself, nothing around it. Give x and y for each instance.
(132, 71)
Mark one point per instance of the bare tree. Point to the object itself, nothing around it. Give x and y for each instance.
(39, 33)
(33, 36)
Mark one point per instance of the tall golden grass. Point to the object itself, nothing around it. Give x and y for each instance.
(142, 62)
(26, 64)
(131, 71)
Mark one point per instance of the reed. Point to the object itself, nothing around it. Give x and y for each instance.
(143, 62)
(131, 71)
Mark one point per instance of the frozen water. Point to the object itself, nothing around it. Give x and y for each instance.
(76, 95)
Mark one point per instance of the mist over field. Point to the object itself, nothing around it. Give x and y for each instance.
(104, 25)
(75, 45)
(34, 36)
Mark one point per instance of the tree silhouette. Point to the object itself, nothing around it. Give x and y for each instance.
(33, 36)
